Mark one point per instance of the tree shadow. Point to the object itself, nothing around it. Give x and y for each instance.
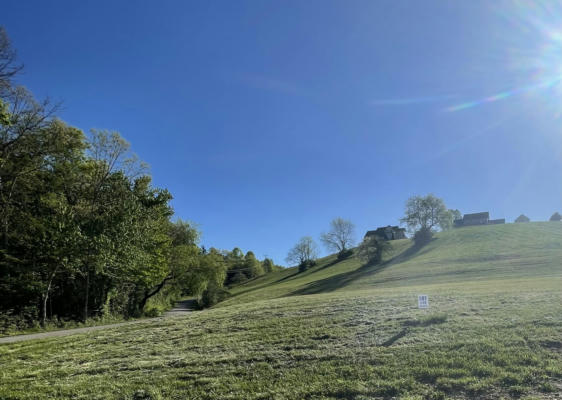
(338, 281)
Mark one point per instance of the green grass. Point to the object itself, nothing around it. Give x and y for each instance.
(493, 330)
(473, 254)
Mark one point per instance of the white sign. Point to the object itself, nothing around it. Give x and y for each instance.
(423, 301)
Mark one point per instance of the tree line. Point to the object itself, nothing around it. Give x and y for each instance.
(422, 216)
(83, 231)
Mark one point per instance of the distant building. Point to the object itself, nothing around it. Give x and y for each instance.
(388, 233)
(482, 218)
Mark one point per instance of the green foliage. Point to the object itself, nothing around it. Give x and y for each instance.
(268, 265)
(252, 265)
(83, 233)
(5, 118)
(304, 251)
(212, 295)
(184, 233)
(423, 237)
(244, 267)
(447, 219)
(372, 249)
(427, 212)
(305, 265)
(343, 254)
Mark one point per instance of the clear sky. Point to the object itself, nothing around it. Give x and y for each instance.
(267, 119)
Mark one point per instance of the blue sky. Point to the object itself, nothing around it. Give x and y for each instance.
(267, 119)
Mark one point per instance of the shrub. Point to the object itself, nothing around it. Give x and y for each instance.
(12, 321)
(212, 295)
(372, 249)
(423, 236)
(303, 266)
(346, 253)
(239, 277)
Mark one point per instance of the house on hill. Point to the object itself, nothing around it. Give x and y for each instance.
(481, 218)
(388, 233)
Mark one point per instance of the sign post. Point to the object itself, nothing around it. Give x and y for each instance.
(423, 301)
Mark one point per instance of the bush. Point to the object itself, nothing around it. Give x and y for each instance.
(303, 266)
(372, 249)
(11, 321)
(212, 295)
(238, 277)
(342, 255)
(423, 236)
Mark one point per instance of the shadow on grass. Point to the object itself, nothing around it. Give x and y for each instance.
(294, 275)
(423, 322)
(341, 280)
(390, 341)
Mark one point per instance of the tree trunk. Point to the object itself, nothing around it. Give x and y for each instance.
(45, 297)
(148, 294)
(86, 295)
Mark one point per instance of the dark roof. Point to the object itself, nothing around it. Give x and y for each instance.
(384, 229)
(477, 215)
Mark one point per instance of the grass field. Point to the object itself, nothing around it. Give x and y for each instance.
(340, 330)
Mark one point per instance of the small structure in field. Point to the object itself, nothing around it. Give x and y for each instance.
(481, 218)
(388, 233)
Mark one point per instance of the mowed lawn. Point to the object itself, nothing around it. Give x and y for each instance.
(495, 337)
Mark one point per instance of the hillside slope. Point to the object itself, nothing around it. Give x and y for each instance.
(338, 331)
(479, 253)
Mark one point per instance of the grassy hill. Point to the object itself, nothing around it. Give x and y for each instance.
(339, 330)
(469, 256)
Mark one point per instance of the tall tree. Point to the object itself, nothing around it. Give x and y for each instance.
(340, 237)
(425, 212)
(252, 265)
(303, 252)
(448, 218)
(111, 168)
(268, 265)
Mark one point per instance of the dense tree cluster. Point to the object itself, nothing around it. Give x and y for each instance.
(83, 232)
(242, 267)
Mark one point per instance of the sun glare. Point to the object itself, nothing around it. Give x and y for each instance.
(532, 55)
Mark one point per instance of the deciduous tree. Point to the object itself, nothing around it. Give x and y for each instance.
(340, 237)
(304, 252)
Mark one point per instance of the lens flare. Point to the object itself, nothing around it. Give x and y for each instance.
(530, 56)
(505, 95)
